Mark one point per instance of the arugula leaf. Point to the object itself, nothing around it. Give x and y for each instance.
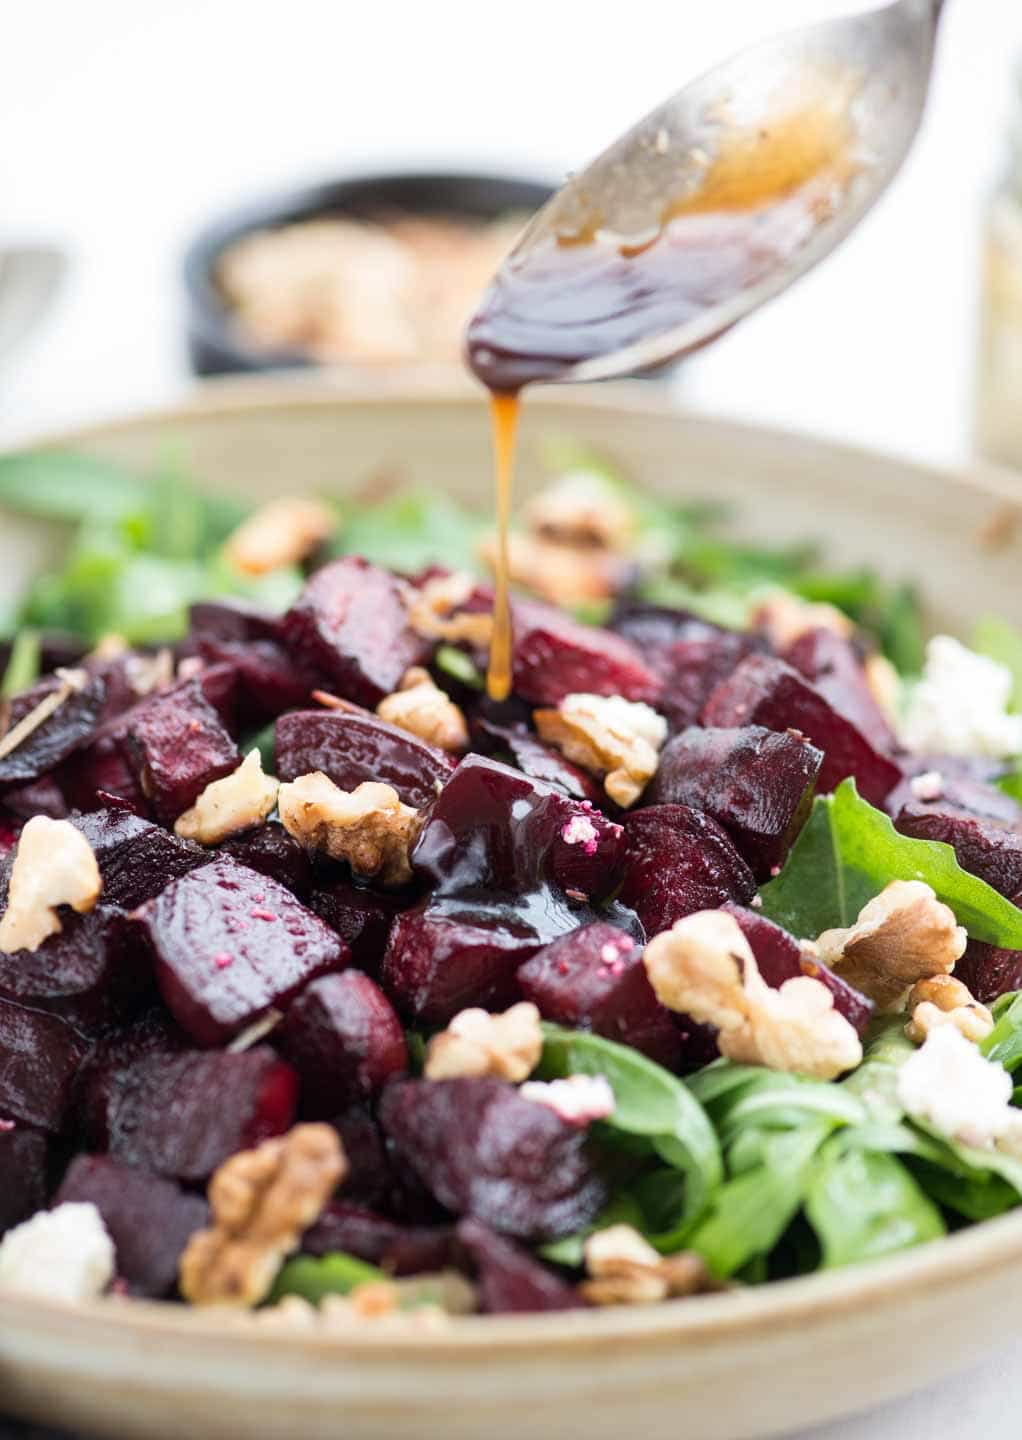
(312, 1277)
(411, 531)
(849, 851)
(54, 485)
(459, 666)
(1001, 642)
(23, 666)
(1004, 1043)
(864, 1204)
(1011, 784)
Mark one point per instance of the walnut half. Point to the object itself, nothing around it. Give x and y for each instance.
(281, 532)
(262, 1200)
(624, 1269)
(53, 865)
(422, 708)
(226, 807)
(943, 1000)
(369, 827)
(478, 1043)
(610, 736)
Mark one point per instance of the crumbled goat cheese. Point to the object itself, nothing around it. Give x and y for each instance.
(960, 706)
(948, 1084)
(927, 786)
(578, 1099)
(61, 1254)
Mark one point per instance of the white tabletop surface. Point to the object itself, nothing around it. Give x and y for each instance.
(126, 123)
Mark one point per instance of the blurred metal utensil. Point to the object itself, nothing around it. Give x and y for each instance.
(862, 79)
(29, 278)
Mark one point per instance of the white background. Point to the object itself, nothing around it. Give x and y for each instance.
(126, 123)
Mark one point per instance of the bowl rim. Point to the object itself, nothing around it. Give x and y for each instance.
(981, 1248)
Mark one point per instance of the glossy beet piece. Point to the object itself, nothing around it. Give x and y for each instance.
(40, 1056)
(594, 979)
(271, 851)
(370, 1180)
(269, 679)
(136, 858)
(655, 630)
(101, 771)
(23, 1161)
(517, 746)
(39, 797)
(780, 958)
(361, 916)
(493, 827)
(343, 1037)
(350, 625)
(351, 747)
(148, 1218)
(989, 971)
(956, 791)
(232, 621)
(757, 783)
(485, 1152)
(93, 973)
(767, 691)
(990, 849)
(398, 1249)
(178, 745)
(229, 944)
(510, 1281)
(677, 861)
(113, 1056)
(832, 663)
(555, 656)
(66, 730)
(183, 1114)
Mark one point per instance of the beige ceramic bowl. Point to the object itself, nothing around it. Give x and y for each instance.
(720, 1368)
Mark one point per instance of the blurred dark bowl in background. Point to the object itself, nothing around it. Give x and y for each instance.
(216, 345)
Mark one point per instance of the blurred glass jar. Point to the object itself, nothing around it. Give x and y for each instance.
(999, 379)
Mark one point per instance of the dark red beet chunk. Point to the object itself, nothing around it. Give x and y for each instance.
(178, 746)
(398, 1249)
(136, 858)
(370, 1180)
(989, 971)
(594, 979)
(121, 1049)
(273, 852)
(41, 1056)
(677, 861)
(232, 620)
(268, 678)
(23, 1159)
(229, 944)
(519, 747)
(556, 656)
(342, 1036)
(832, 663)
(780, 958)
(350, 624)
(182, 1115)
(484, 1151)
(350, 748)
(510, 1281)
(957, 791)
(361, 916)
(757, 783)
(493, 827)
(990, 849)
(66, 730)
(766, 691)
(100, 771)
(148, 1218)
(39, 797)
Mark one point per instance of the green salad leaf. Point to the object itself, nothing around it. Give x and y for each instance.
(848, 851)
(1004, 1043)
(312, 1277)
(412, 530)
(864, 1204)
(22, 668)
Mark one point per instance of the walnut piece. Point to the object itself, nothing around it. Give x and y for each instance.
(559, 574)
(625, 1270)
(943, 1000)
(703, 967)
(422, 708)
(53, 865)
(784, 617)
(262, 1200)
(431, 612)
(369, 827)
(281, 532)
(478, 1043)
(609, 736)
(903, 935)
(582, 510)
(238, 802)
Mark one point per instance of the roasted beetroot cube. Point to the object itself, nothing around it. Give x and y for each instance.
(273, 852)
(677, 861)
(398, 1249)
(350, 625)
(780, 957)
(947, 785)
(555, 656)
(39, 797)
(519, 747)
(230, 944)
(370, 1180)
(491, 826)
(93, 973)
(116, 1053)
(178, 746)
(832, 663)
(990, 849)
(766, 691)
(360, 915)
(136, 858)
(757, 783)
(232, 621)
(342, 1036)
(655, 630)
(148, 1218)
(40, 1056)
(66, 730)
(269, 679)
(350, 748)
(182, 1115)
(594, 979)
(988, 971)
(510, 1281)
(23, 1162)
(101, 770)
(484, 1151)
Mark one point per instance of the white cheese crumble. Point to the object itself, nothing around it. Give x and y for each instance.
(579, 1099)
(61, 1254)
(949, 1085)
(960, 706)
(927, 786)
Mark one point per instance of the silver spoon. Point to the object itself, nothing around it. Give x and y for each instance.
(601, 282)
